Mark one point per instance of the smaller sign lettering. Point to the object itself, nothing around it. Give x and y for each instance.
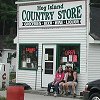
(69, 52)
(30, 50)
(4, 76)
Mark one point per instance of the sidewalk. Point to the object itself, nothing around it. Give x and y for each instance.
(43, 92)
(37, 92)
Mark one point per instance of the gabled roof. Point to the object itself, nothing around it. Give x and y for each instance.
(95, 21)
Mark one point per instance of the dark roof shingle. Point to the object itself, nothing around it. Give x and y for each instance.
(95, 22)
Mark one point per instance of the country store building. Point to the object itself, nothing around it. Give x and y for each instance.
(52, 33)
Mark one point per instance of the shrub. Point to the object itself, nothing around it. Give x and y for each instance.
(12, 76)
(2, 98)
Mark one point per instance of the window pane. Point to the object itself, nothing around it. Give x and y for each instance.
(49, 53)
(48, 67)
(28, 56)
(70, 55)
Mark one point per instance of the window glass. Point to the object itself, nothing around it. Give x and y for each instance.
(49, 53)
(28, 56)
(69, 55)
(48, 67)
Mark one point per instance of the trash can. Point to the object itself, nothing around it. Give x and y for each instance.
(15, 93)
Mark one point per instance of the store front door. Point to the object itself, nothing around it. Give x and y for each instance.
(48, 64)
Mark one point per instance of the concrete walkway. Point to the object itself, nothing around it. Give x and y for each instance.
(42, 97)
(29, 95)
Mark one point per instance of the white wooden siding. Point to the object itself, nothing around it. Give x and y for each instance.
(94, 62)
(57, 35)
(54, 36)
(30, 78)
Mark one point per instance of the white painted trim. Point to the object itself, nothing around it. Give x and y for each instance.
(97, 41)
(32, 1)
(8, 49)
(45, 76)
(91, 40)
(15, 40)
(24, 2)
(87, 38)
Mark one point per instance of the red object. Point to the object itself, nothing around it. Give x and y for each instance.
(30, 50)
(15, 93)
(75, 58)
(69, 52)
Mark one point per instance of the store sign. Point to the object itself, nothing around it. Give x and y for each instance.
(69, 52)
(31, 50)
(71, 56)
(4, 75)
(53, 14)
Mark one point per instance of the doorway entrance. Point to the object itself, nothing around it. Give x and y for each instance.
(48, 64)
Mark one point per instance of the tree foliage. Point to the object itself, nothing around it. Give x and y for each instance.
(7, 20)
(95, 1)
(7, 10)
(8, 42)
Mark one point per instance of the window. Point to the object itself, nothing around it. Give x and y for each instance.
(69, 55)
(28, 56)
(49, 61)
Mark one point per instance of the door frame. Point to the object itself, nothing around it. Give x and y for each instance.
(43, 61)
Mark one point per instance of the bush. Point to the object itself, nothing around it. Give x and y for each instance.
(2, 98)
(12, 76)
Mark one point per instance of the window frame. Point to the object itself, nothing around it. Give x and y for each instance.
(20, 58)
(58, 54)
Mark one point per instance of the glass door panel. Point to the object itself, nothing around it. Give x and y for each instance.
(49, 60)
(48, 67)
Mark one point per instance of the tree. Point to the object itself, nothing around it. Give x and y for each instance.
(8, 15)
(7, 22)
(95, 1)
(8, 42)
